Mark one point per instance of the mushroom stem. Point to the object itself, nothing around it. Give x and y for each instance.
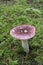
(25, 46)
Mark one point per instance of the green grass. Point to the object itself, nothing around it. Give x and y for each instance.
(11, 51)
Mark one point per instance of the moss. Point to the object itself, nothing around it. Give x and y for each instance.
(10, 48)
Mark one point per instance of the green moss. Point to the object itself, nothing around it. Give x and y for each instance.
(11, 51)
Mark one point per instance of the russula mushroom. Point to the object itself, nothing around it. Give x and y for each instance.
(23, 33)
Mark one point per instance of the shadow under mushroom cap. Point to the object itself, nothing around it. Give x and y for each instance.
(23, 32)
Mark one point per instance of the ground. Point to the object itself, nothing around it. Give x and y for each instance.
(12, 15)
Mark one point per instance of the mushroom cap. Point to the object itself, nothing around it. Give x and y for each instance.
(23, 32)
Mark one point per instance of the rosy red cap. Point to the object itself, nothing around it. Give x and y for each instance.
(23, 32)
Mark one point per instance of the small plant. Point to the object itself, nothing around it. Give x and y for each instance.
(33, 12)
(15, 62)
(39, 57)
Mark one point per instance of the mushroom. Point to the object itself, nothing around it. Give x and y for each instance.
(23, 33)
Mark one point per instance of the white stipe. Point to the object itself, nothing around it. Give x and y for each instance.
(25, 46)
